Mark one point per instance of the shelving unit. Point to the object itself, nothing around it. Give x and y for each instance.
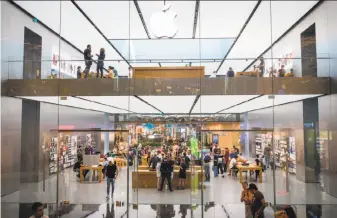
(52, 155)
(261, 141)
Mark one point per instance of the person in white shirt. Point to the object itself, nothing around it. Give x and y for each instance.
(232, 165)
(37, 209)
(158, 174)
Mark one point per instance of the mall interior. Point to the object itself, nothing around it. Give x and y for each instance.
(168, 79)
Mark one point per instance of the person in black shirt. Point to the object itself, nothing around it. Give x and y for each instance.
(111, 175)
(88, 60)
(187, 160)
(165, 170)
(153, 162)
(100, 62)
(207, 160)
(258, 203)
(182, 175)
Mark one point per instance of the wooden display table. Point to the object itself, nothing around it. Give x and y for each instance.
(148, 179)
(144, 161)
(252, 167)
(249, 73)
(175, 167)
(120, 162)
(92, 169)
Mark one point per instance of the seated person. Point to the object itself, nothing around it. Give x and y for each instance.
(233, 165)
(77, 167)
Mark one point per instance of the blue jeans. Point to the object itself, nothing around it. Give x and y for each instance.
(207, 172)
(215, 170)
(108, 182)
(266, 159)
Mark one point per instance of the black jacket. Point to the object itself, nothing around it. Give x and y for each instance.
(87, 54)
(165, 167)
(100, 59)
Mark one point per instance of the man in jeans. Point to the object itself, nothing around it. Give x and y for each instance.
(266, 153)
(207, 160)
(111, 174)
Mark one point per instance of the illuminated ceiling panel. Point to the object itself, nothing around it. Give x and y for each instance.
(171, 104)
(220, 18)
(215, 103)
(264, 101)
(256, 38)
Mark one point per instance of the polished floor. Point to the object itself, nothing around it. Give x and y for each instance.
(220, 198)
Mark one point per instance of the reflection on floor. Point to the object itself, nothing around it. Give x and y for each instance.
(220, 190)
(118, 210)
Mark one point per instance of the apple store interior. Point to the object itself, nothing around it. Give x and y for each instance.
(200, 109)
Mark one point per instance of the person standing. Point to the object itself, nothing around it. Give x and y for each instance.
(100, 62)
(79, 72)
(182, 175)
(153, 161)
(158, 174)
(226, 159)
(37, 209)
(266, 153)
(261, 67)
(165, 174)
(187, 160)
(111, 175)
(207, 160)
(258, 203)
(230, 72)
(246, 197)
(88, 60)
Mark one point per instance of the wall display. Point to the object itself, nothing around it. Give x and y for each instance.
(261, 141)
(67, 151)
(292, 156)
(62, 64)
(53, 155)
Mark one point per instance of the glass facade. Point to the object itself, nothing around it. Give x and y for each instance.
(257, 76)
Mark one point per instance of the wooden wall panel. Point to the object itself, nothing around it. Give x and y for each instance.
(168, 72)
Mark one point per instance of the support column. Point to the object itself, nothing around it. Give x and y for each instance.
(106, 134)
(31, 151)
(308, 158)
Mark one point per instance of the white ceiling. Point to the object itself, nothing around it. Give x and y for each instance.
(172, 104)
(120, 20)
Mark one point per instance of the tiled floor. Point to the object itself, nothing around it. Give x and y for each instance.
(220, 191)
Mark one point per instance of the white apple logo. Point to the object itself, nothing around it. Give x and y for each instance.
(162, 23)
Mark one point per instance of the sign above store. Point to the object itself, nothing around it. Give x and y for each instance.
(162, 23)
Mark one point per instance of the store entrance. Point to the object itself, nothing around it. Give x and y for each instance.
(78, 159)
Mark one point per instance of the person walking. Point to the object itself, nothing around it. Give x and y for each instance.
(246, 197)
(111, 175)
(207, 160)
(266, 153)
(165, 174)
(258, 203)
(88, 60)
(100, 62)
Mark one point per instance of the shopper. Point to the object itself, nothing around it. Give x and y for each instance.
(258, 203)
(153, 161)
(37, 209)
(182, 175)
(111, 175)
(261, 67)
(187, 160)
(79, 72)
(226, 159)
(246, 197)
(165, 174)
(215, 165)
(281, 71)
(230, 72)
(257, 172)
(266, 153)
(88, 60)
(232, 166)
(220, 165)
(207, 160)
(100, 62)
(158, 174)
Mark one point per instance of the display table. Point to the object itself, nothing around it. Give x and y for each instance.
(148, 179)
(120, 162)
(249, 73)
(252, 167)
(144, 161)
(142, 167)
(92, 169)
